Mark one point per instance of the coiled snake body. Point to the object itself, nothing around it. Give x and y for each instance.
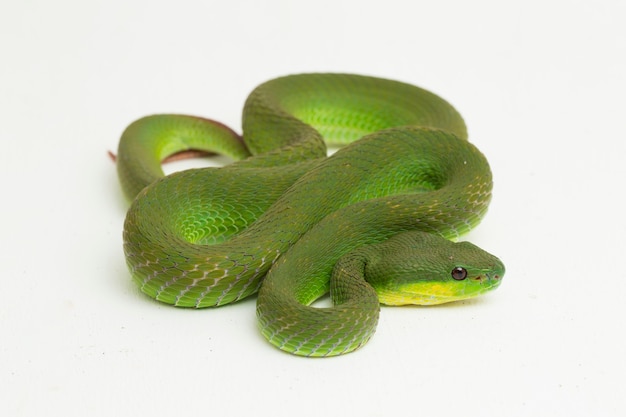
(370, 223)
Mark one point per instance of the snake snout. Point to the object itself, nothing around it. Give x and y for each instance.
(489, 279)
(497, 271)
(494, 277)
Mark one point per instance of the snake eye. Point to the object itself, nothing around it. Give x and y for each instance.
(459, 273)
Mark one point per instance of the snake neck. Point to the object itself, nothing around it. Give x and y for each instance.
(322, 331)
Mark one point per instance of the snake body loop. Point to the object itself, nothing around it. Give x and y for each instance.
(285, 218)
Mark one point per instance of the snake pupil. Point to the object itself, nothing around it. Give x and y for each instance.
(459, 273)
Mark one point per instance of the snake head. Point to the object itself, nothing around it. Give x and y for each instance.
(421, 268)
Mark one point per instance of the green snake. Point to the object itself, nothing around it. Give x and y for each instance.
(373, 223)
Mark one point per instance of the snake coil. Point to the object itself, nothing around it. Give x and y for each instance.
(371, 223)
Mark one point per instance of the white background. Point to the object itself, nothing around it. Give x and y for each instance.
(541, 85)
